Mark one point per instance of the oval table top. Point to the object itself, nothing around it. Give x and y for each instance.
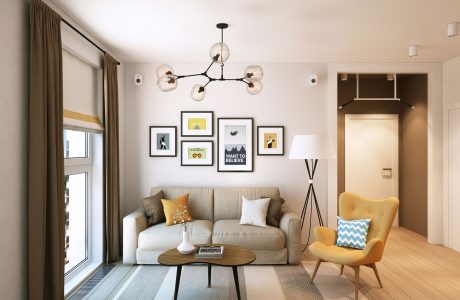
(233, 256)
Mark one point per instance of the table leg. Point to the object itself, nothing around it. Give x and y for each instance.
(209, 275)
(237, 284)
(176, 289)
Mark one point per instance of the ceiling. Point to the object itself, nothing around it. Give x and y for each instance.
(271, 31)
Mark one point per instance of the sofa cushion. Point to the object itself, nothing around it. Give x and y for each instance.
(274, 211)
(177, 210)
(228, 200)
(254, 212)
(256, 238)
(200, 199)
(154, 209)
(162, 237)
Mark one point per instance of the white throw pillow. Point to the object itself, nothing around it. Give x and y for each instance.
(254, 212)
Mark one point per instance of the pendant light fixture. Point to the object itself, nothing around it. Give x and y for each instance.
(167, 80)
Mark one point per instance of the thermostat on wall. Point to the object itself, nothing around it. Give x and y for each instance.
(138, 79)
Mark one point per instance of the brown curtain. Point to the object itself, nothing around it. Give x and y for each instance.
(112, 176)
(46, 155)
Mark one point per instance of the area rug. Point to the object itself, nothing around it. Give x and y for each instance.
(256, 282)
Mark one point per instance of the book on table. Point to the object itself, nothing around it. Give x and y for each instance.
(210, 252)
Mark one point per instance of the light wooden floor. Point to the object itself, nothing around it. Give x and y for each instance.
(410, 269)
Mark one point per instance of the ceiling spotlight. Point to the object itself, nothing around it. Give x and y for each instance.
(413, 51)
(452, 29)
(390, 77)
(344, 76)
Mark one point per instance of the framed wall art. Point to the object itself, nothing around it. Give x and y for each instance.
(197, 153)
(197, 123)
(270, 140)
(163, 141)
(235, 145)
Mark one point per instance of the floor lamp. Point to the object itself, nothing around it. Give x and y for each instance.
(311, 148)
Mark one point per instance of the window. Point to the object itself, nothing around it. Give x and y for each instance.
(83, 201)
(77, 196)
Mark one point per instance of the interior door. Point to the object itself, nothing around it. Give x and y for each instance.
(453, 178)
(371, 155)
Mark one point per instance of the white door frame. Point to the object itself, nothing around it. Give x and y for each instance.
(395, 172)
(447, 203)
(434, 115)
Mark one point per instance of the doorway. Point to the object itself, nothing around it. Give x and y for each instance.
(409, 174)
(371, 155)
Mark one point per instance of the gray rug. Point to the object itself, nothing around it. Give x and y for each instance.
(256, 282)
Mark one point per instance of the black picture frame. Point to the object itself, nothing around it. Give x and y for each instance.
(182, 113)
(196, 165)
(258, 141)
(219, 146)
(171, 153)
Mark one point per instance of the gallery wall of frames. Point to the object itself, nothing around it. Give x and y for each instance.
(235, 141)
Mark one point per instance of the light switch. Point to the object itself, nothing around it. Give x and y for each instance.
(387, 173)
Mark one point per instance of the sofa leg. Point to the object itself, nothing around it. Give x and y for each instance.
(341, 270)
(356, 268)
(316, 270)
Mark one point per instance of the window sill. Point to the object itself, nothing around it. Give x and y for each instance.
(79, 278)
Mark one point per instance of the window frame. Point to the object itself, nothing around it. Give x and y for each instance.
(79, 165)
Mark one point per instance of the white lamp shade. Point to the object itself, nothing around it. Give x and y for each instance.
(311, 147)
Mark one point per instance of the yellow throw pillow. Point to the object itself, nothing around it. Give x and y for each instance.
(177, 210)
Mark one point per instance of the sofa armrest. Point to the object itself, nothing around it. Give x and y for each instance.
(133, 224)
(290, 226)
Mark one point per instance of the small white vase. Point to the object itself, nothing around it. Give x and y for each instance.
(185, 247)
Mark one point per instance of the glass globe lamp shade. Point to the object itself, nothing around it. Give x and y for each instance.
(254, 88)
(253, 73)
(198, 92)
(167, 84)
(220, 52)
(164, 71)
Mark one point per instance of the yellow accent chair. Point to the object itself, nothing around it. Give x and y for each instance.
(354, 207)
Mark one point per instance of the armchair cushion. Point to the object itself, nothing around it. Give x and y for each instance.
(352, 233)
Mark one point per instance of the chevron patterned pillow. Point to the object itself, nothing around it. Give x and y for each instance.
(352, 233)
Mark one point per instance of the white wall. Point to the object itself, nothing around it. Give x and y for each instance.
(13, 180)
(451, 105)
(287, 100)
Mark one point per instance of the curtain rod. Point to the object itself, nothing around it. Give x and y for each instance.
(84, 36)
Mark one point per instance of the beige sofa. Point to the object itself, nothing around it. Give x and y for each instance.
(216, 212)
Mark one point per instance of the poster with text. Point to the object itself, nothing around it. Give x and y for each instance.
(235, 144)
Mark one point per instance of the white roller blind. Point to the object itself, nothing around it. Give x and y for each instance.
(82, 91)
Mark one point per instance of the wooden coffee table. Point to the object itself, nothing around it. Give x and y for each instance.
(234, 256)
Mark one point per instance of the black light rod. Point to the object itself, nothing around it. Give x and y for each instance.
(84, 36)
(343, 105)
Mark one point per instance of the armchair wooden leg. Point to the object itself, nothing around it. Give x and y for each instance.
(374, 267)
(341, 270)
(316, 270)
(356, 268)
